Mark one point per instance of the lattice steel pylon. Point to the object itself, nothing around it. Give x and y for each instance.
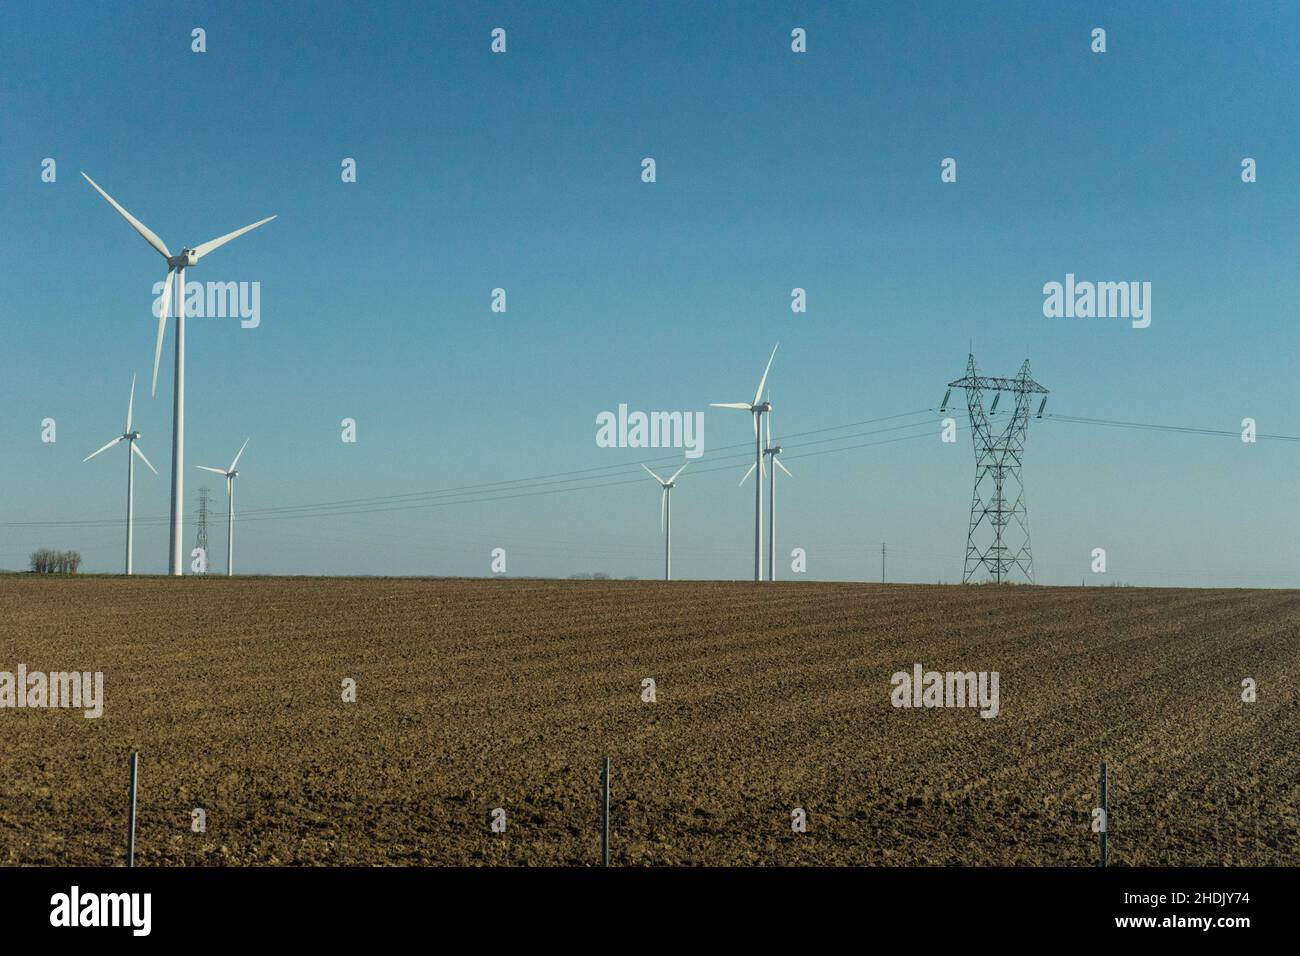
(998, 502)
(203, 520)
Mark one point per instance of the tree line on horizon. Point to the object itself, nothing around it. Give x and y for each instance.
(48, 561)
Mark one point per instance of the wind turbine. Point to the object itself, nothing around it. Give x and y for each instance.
(773, 452)
(176, 266)
(757, 408)
(130, 438)
(666, 516)
(231, 474)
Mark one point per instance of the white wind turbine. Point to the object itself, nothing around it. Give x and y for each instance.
(666, 516)
(176, 266)
(130, 438)
(231, 474)
(757, 408)
(773, 452)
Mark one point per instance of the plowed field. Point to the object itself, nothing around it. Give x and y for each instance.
(473, 695)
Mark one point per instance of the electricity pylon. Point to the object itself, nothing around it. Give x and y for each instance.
(202, 542)
(998, 502)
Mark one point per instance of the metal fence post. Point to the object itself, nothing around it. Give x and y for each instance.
(604, 812)
(130, 836)
(1105, 816)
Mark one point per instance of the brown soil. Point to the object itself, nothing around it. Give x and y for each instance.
(479, 694)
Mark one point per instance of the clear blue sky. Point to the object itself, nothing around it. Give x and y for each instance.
(775, 170)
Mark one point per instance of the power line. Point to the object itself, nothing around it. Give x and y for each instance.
(628, 468)
(623, 473)
(531, 494)
(504, 490)
(1151, 426)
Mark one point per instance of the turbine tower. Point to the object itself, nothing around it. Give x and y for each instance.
(666, 516)
(230, 474)
(999, 497)
(757, 408)
(773, 452)
(130, 437)
(176, 266)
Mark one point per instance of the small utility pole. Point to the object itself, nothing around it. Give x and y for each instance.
(882, 562)
(130, 835)
(604, 812)
(1105, 816)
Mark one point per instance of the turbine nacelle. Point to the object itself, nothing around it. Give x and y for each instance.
(231, 473)
(670, 481)
(187, 258)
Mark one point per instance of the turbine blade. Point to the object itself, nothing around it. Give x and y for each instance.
(139, 227)
(130, 405)
(678, 472)
(763, 381)
(136, 448)
(777, 462)
(744, 405)
(202, 250)
(162, 327)
(215, 471)
(747, 474)
(653, 475)
(105, 448)
(241, 451)
(663, 506)
(767, 420)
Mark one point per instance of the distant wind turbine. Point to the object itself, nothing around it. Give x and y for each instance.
(758, 407)
(231, 474)
(130, 437)
(773, 452)
(666, 516)
(176, 266)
